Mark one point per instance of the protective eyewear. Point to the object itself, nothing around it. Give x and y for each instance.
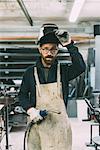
(46, 50)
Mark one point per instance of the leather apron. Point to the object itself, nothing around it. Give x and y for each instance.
(53, 133)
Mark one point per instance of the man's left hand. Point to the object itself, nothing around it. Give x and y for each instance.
(64, 37)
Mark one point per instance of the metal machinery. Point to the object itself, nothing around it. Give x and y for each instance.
(92, 79)
(92, 90)
(95, 142)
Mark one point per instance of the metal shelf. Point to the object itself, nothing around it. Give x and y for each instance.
(16, 57)
(16, 63)
(12, 70)
(11, 77)
(18, 54)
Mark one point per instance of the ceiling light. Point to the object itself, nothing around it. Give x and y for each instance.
(77, 6)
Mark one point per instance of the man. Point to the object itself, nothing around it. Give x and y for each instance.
(41, 90)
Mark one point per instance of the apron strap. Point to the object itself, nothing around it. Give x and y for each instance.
(37, 81)
(58, 79)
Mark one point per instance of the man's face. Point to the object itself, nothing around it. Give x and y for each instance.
(48, 53)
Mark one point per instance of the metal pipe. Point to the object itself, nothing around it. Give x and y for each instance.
(22, 5)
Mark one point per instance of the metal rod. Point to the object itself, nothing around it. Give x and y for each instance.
(23, 7)
(6, 126)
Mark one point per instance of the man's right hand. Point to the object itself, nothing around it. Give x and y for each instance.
(34, 114)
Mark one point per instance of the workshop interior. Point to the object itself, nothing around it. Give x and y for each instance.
(20, 23)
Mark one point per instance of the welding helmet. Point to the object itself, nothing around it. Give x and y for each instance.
(47, 34)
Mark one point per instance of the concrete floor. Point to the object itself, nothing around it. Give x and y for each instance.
(80, 132)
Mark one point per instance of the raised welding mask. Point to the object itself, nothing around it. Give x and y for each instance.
(47, 34)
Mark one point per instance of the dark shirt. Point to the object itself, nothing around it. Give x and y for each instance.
(27, 94)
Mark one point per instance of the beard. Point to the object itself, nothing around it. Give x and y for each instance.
(48, 60)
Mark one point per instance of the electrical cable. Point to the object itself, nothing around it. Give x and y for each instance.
(43, 113)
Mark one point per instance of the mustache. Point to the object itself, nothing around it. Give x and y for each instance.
(49, 56)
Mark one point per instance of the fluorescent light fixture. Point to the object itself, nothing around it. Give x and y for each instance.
(77, 6)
